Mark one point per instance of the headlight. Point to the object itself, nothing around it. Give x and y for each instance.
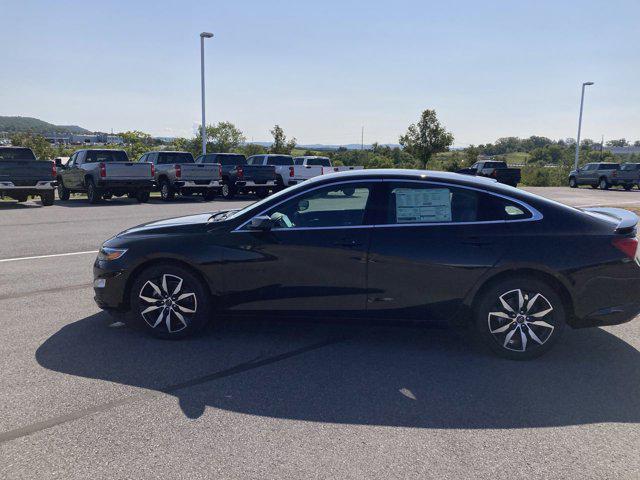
(109, 254)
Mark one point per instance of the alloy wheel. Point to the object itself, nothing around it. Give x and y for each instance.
(520, 320)
(167, 303)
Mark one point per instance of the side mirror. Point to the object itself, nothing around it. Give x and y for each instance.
(261, 222)
(58, 163)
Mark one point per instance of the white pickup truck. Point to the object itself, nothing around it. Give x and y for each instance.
(311, 166)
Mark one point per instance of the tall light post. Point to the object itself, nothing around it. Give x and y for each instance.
(203, 127)
(575, 163)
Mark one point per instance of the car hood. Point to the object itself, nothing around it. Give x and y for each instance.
(170, 225)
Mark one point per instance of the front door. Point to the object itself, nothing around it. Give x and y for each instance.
(312, 260)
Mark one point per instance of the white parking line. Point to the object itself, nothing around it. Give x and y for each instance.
(46, 256)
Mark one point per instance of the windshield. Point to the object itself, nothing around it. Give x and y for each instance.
(16, 154)
(106, 156)
(176, 157)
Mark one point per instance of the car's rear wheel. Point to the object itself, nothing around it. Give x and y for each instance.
(628, 186)
(143, 196)
(209, 195)
(228, 192)
(520, 318)
(573, 183)
(47, 198)
(262, 192)
(166, 192)
(603, 184)
(92, 192)
(170, 301)
(63, 192)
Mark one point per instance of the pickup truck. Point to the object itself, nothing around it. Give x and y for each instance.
(22, 175)
(177, 172)
(284, 167)
(598, 175)
(629, 175)
(238, 176)
(103, 173)
(494, 169)
(311, 166)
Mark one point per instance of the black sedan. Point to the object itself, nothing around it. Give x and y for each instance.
(401, 244)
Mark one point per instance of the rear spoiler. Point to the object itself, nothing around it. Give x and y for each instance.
(626, 220)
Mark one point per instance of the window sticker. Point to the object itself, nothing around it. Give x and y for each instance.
(423, 205)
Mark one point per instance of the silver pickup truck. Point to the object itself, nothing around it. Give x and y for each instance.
(600, 175)
(104, 174)
(177, 172)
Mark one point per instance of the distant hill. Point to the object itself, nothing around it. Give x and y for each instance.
(34, 125)
(325, 147)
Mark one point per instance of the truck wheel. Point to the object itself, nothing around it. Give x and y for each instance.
(209, 195)
(92, 192)
(47, 198)
(228, 192)
(143, 197)
(628, 186)
(21, 198)
(573, 183)
(63, 192)
(166, 192)
(280, 182)
(603, 184)
(262, 192)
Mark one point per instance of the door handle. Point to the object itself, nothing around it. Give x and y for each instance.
(347, 243)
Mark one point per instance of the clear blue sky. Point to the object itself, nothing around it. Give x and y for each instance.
(323, 69)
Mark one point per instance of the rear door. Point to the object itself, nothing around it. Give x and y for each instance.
(313, 260)
(432, 244)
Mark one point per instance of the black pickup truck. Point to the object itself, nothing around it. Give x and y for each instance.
(22, 175)
(494, 169)
(239, 177)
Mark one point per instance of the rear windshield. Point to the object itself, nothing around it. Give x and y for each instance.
(175, 157)
(279, 160)
(494, 164)
(16, 154)
(630, 166)
(609, 166)
(106, 156)
(231, 159)
(325, 162)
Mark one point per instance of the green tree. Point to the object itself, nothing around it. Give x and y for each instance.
(42, 149)
(622, 142)
(222, 137)
(426, 137)
(280, 143)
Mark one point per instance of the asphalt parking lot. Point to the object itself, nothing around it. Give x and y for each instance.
(81, 398)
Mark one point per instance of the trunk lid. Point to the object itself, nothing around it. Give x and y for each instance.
(128, 170)
(258, 173)
(25, 172)
(199, 171)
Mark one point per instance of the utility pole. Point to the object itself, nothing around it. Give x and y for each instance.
(575, 163)
(203, 127)
(362, 139)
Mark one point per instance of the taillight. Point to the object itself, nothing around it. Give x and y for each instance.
(240, 172)
(103, 170)
(54, 170)
(494, 174)
(178, 171)
(291, 171)
(153, 170)
(627, 245)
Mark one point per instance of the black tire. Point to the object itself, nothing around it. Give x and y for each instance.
(279, 182)
(194, 308)
(506, 334)
(603, 184)
(63, 192)
(262, 192)
(573, 183)
(143, 196)
(47, 198)
(594, 186)
(92, 192)
(131, 195)
(167, 193)
(627, 186)
(209, 195)
(227, 191)
(21, 198)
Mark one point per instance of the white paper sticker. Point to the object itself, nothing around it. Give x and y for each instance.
(423, 205)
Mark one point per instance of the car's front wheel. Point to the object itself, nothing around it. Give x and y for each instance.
(170, 301)
(573, 183)
(520, 318)
(603, 184)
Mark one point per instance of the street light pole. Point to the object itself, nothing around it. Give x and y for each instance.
(203, 131)
(575, 163)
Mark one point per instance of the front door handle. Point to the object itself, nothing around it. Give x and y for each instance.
(347, 243)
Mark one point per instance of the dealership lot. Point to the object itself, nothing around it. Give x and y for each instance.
(256, 399)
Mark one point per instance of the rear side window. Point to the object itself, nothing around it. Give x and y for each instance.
(279, 160)
(609, 166)
(630, 166)
(324, 162)
(106, 156)
(414, 203)
(175, 157)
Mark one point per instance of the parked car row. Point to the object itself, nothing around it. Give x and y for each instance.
(604, 175)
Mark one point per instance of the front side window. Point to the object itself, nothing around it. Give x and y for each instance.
(409, 203)
(342, 205)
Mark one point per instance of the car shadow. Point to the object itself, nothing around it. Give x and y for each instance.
(406, 375)
(20, 206)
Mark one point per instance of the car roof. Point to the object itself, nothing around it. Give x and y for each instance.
(408, 173)
(168, 151)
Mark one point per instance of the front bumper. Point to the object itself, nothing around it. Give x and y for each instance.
(39, 187)
(109, 285)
